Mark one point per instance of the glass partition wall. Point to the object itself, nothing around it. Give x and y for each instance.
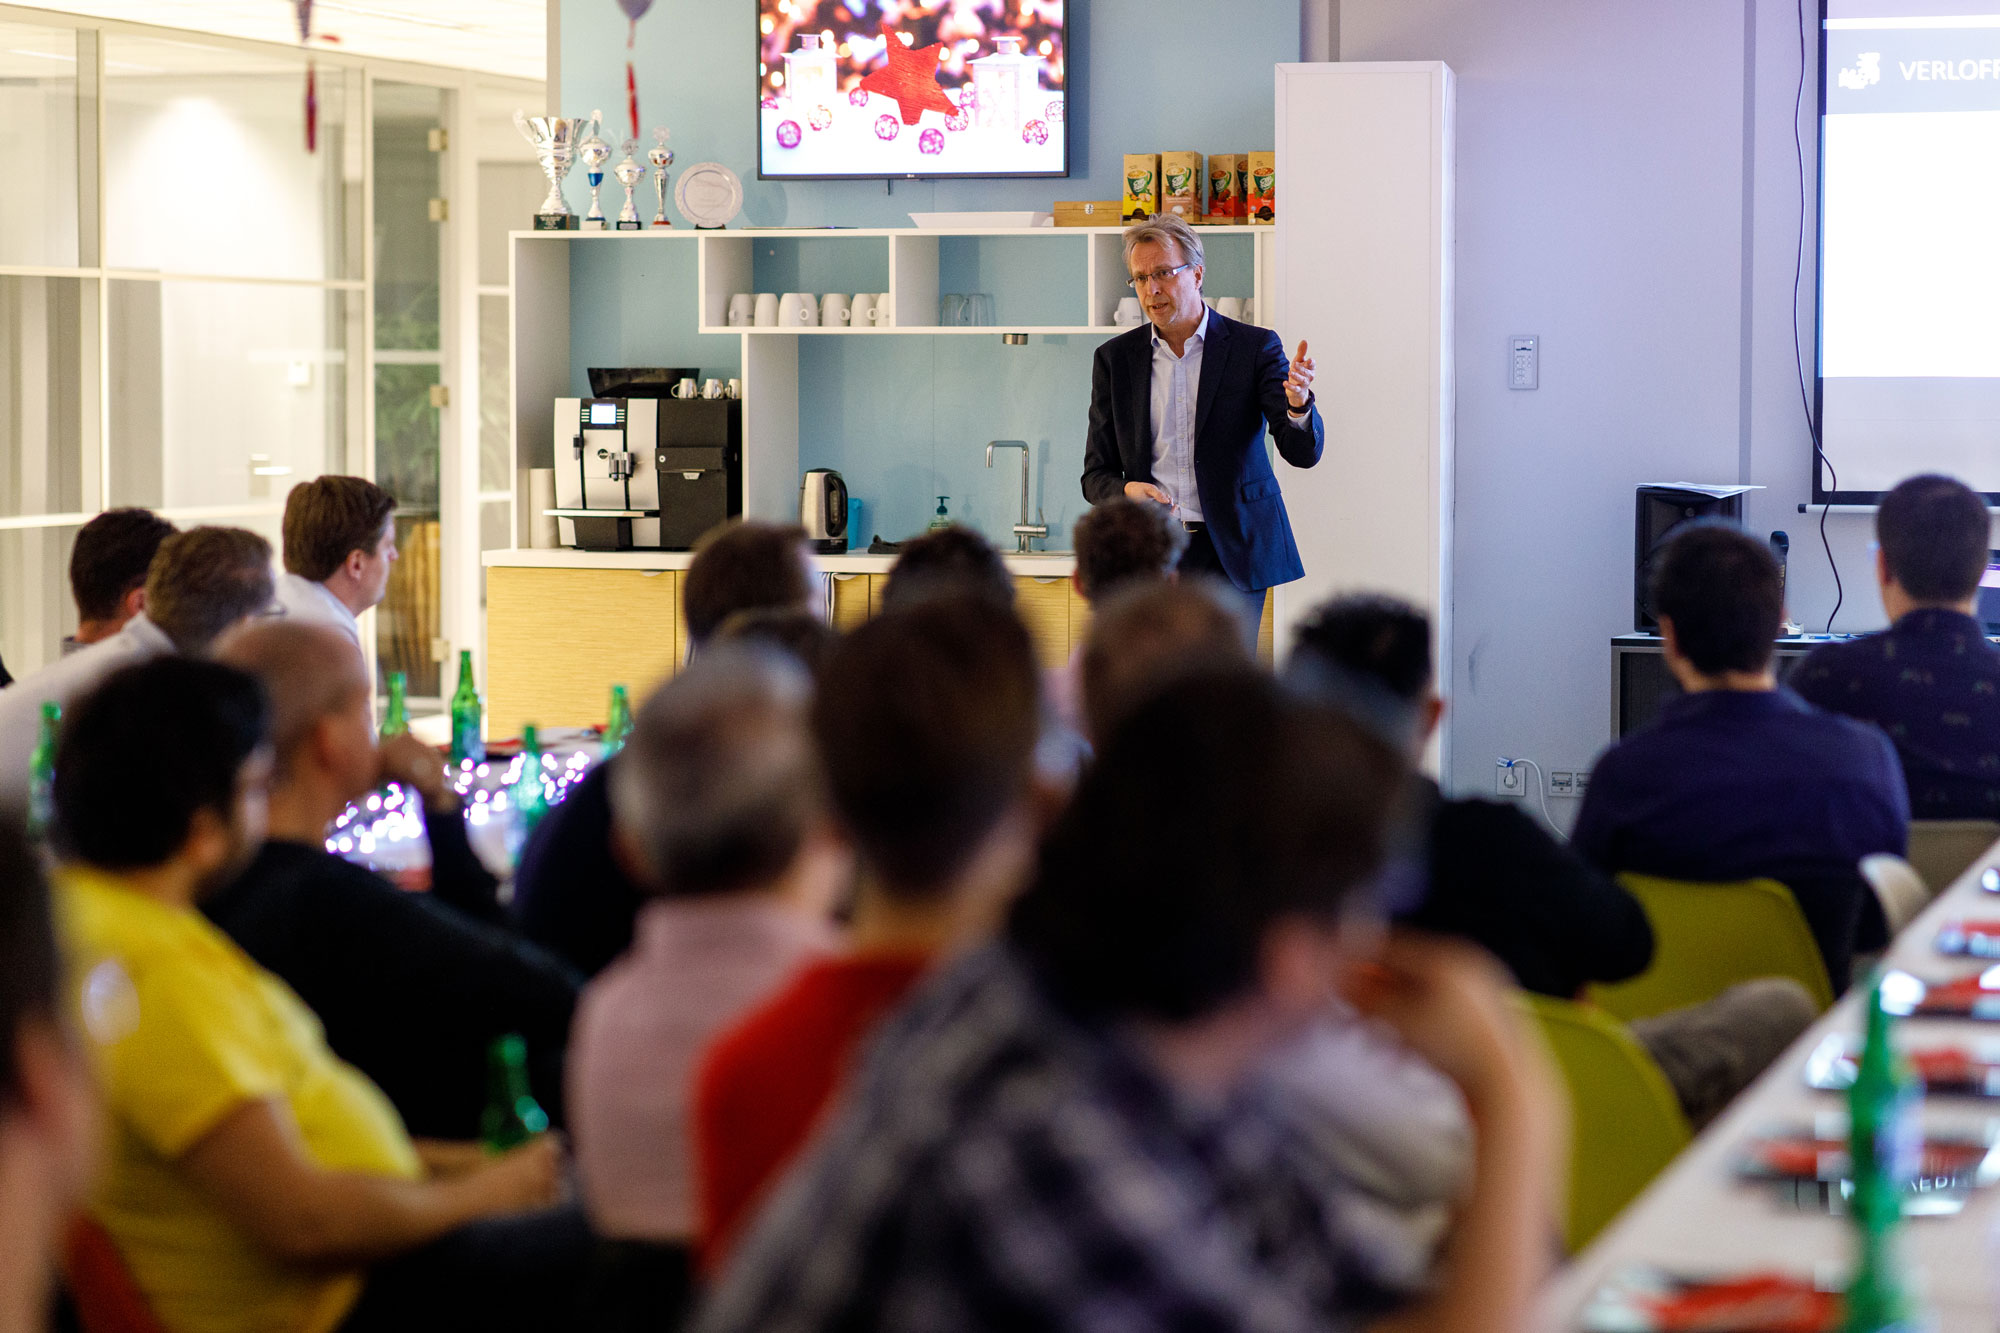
(196, 313)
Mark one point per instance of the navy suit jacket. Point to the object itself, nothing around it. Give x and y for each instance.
(1242, 393)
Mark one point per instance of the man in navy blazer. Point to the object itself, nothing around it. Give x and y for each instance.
(1178, 410)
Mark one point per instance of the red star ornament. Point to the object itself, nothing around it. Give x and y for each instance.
(911, 79)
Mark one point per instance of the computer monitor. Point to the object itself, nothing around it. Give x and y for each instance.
(1989, 594)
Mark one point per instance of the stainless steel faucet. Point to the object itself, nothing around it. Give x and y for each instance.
(1024, 531)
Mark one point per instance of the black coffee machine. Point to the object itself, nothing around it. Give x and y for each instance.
(699, 462)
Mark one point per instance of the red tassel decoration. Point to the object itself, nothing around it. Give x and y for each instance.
(631, 78)
(312, 110)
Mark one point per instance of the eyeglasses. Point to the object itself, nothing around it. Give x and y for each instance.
(1159, 276)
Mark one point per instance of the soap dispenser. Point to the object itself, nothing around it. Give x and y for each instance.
(942, 519)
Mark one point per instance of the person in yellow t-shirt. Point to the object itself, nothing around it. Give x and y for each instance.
(251, 1176)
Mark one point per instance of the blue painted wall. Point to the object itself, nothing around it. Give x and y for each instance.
(906, 419)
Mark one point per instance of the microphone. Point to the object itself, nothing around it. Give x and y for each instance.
(1781, 549)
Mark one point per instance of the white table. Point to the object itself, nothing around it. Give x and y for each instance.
(1697, 1217)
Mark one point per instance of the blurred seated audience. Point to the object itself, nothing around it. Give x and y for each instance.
(107, 571)
(1148, 635)
(413, 988)
(202, 582)
(1931, 680)
(720, 811)
(1484, 871)
(571, 895)
(340, 543)
(1739, 778)
(926, 721)
(252, 1177)
(800, 634)
(47, 1112)
(949, 562)
(1074, 1128)
(1118, 542)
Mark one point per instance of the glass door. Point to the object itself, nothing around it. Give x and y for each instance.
(409, 377)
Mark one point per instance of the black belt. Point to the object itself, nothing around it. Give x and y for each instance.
(1194, 527)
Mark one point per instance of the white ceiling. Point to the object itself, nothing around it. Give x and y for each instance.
(498, 36)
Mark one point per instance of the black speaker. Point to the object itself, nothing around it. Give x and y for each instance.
(1659, 512)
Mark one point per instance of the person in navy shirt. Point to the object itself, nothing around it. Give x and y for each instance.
(1737, 778)
(1931, 680)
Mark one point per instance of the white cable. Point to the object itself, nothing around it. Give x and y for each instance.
(1541, 793)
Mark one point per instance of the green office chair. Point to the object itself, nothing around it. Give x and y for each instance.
(1625, 1122)
(1709, 937)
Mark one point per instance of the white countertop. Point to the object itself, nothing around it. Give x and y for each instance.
(1696, 1217)
(1049, 565)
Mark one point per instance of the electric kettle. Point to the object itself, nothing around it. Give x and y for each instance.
(823, 511)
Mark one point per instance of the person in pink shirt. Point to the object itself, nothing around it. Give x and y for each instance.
(718, 808)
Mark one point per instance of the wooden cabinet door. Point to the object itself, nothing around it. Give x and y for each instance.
(557, 640)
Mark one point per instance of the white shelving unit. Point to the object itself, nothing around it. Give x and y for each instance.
(725, 263)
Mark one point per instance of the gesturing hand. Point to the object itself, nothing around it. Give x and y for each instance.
(1299, 384)
(1146, 490)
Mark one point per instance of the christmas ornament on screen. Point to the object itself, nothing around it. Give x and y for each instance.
(887, 128)
(788, 134)
(858, 97)
(1004, 84)
(304, 9)
(1035, 132)
(809, 73)
(931, 142)
(911, 80)
(634, 11)
(822, 117)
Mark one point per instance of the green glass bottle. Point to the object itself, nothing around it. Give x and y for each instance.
(396, 716)
(1886, 1140)
(512, 1115)
(42, 773)
(466, 716)
(618, 725)
(531, 801)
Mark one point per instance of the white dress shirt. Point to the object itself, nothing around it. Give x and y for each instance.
(1176, 391)
(302, 599)
(64, 681)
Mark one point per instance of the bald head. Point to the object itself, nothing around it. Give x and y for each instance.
(310, 673)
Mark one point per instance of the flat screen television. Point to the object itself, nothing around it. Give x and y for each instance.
(872, 89)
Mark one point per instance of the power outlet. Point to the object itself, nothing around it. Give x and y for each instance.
(1562, 784)
(1511, 780)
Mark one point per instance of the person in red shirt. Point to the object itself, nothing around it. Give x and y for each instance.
(927, 720)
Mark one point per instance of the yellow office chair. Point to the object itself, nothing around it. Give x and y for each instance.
(1625, 1122)
(1709, 937)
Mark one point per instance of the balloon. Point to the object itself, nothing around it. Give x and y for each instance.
(635, 9)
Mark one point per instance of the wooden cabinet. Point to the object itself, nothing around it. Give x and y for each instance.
(1043, 605)
(557, 640)
(852, 600)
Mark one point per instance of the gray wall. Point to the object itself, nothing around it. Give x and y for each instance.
(1627, 191)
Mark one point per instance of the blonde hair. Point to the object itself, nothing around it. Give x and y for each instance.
(1162, 231)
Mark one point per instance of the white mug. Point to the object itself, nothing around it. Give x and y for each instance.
(711, 389)
(833, 310)
(1230, 307)
(734, 389)
(798, 310)
(741, 309)
(1128, 313)
(685, 389)
(879, 312)
(767, 310)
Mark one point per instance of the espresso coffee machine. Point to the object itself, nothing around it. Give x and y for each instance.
(645, 473)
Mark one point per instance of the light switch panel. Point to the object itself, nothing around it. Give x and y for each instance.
(1524, 362)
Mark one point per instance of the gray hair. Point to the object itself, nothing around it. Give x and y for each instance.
(719, 784)
(1165, 229)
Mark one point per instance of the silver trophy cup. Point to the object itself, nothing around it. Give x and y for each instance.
(595, 153)
(554, 141)
(629, 174)
(661, 157)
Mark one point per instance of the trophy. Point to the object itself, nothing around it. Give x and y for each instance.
(595, 153)
(661, 157)
(554, 140)
(629, 174)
